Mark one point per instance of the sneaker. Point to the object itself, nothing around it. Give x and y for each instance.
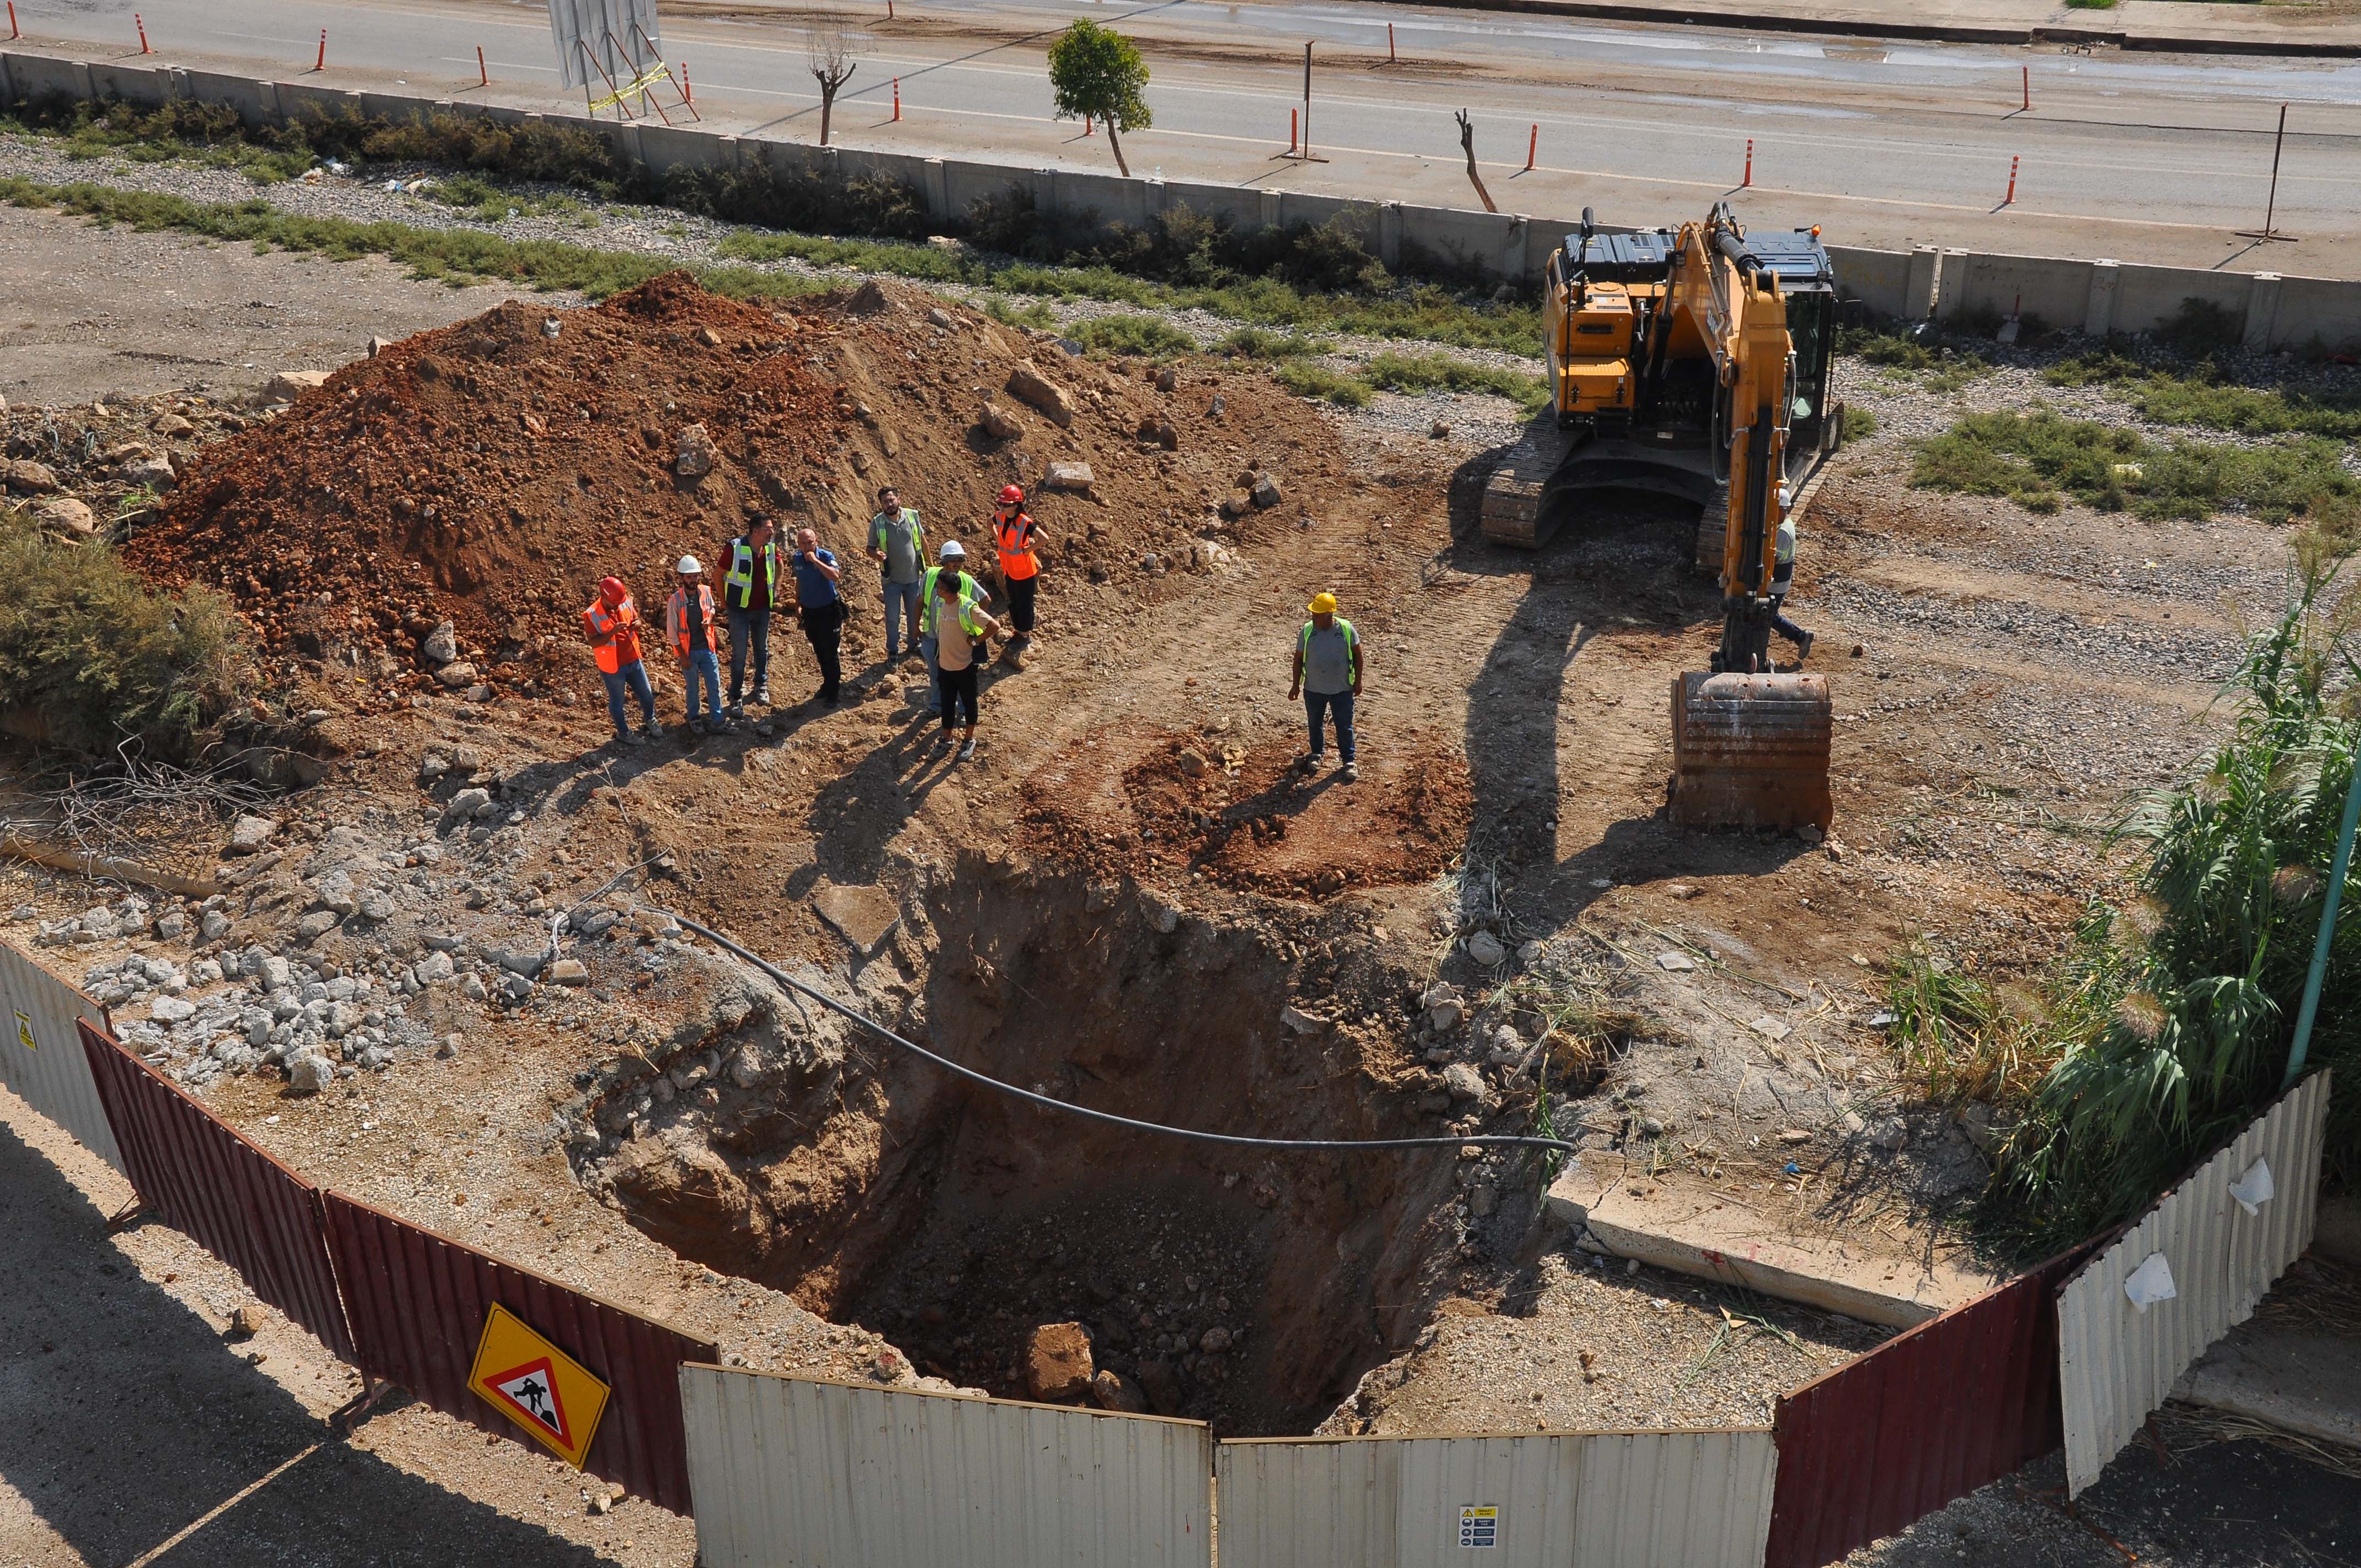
(652, 730)
(1308, 764)
(1348, 773)
(625, 738)
(762, 695)
(697, 726)
(967, 752)
(943, 742)
(721, 726)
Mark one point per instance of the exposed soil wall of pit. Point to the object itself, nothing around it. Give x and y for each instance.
(1244, 1287)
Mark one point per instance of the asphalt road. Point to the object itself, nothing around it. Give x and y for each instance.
(2144, 157)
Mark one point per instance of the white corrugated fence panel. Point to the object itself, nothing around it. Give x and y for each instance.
(2116, 1361)
(1656, 1499)
(1310, 1503)
(41, 1057)
(1674, 1499)
(795, 1473)
(1514, 1496)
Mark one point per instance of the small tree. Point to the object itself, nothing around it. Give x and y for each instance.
(832, 50)
(1098, 74)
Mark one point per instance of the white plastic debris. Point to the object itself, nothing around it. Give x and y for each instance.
(2254, 1189)
(2149, 1283)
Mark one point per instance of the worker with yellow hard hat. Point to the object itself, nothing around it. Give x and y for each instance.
(1328, 677)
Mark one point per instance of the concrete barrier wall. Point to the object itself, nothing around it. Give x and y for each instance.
(2096, 296)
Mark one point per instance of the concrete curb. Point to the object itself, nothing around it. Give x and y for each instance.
(1931, 32)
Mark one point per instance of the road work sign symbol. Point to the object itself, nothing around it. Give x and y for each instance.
(25, 1031)
(537, 1385)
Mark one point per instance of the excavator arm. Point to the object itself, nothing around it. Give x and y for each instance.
(1749, 748)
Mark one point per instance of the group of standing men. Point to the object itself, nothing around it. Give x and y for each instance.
(939, 609)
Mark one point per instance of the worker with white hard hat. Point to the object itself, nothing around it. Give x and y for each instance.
(689, 627)
(951, 558)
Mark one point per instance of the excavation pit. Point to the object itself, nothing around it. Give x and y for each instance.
(1246, 1286)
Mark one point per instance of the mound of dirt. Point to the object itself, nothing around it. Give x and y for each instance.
(491, 472)
(1238, 812)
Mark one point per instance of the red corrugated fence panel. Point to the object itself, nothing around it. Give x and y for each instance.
(418, 1302)
(1928, 1417)
(238, 1202)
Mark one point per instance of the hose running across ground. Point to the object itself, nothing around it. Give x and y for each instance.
(1327, 1145)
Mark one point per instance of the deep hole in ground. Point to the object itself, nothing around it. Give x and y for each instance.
(876, 1189)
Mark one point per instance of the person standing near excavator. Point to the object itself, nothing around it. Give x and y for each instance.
(1015, 532)
(1328, 677)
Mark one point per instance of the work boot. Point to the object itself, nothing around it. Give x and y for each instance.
(1349, 772)
(652, 730)
(721, 726)
(1803, 649)
(697, 726)
(625, 738)
(1308, 764)
(762, 695)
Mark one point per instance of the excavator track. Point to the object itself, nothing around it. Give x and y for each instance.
(1512, 511)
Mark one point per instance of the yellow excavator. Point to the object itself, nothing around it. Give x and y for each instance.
(1694, 363)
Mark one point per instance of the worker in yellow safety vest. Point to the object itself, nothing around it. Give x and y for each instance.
(749, 591)
(612, 626)
(951, 558)
(1015, 533)
(1328, 677)
(689, 627)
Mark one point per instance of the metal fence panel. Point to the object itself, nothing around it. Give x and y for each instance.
(1932, 1414)
(235, 1201)
(792, 1471)
(1528, 1482)
(2118, 1362)
(1311, 1504)
(418, 1300)
(621, 34)
(1652, 1499)
(1674, 1499)
(51, 1073)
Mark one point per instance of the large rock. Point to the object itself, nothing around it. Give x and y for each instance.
(309, 1073)
(696, 454)
(999, 423)
(457, 675)
(442, 644)
(63, 514)
(1058, 1362)
(863, 915)
(1067, 476)
(156, 473)
(249, 834)
(1463, 1081)
(289, 385)
(1113, 1392)
(335, 891)
(1027, 385)
(1266, 492)
(28, 478)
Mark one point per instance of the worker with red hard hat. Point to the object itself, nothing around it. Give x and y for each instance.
(1015, 533)
(612, 626)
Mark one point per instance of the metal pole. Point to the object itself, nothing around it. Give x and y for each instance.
(2271, 210)
(2336, 871)
(1307, 98)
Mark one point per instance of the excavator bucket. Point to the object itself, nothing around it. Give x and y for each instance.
(1751, 750)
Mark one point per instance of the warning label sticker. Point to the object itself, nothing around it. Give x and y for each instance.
(25, 1031)
(538, 1386)
(1479, 1527)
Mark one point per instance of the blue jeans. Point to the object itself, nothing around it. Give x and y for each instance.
(703, 664)
(901, 615)
(748, 628)
(634, 676)
(927, 646)
(1317, 706)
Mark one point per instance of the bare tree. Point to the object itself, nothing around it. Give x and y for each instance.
(832, 50)
(1468, 146)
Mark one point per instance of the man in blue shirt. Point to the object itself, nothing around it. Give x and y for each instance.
(821, 608)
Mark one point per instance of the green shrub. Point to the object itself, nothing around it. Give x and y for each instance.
(2200, 328)
(2199, 396)
(1860, 423)
(101, 656)
(1440, 372)
(2032, 458)
(1143, 336)
(1258, 343)
(1307, 379)
(2180, 1008)
(1037, 315)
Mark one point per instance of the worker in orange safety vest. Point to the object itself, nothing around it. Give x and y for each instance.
(1015, 532)
(612, 625)
(689, 627)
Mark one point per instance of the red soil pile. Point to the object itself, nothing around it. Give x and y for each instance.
(491, 472)
(1244, 817)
